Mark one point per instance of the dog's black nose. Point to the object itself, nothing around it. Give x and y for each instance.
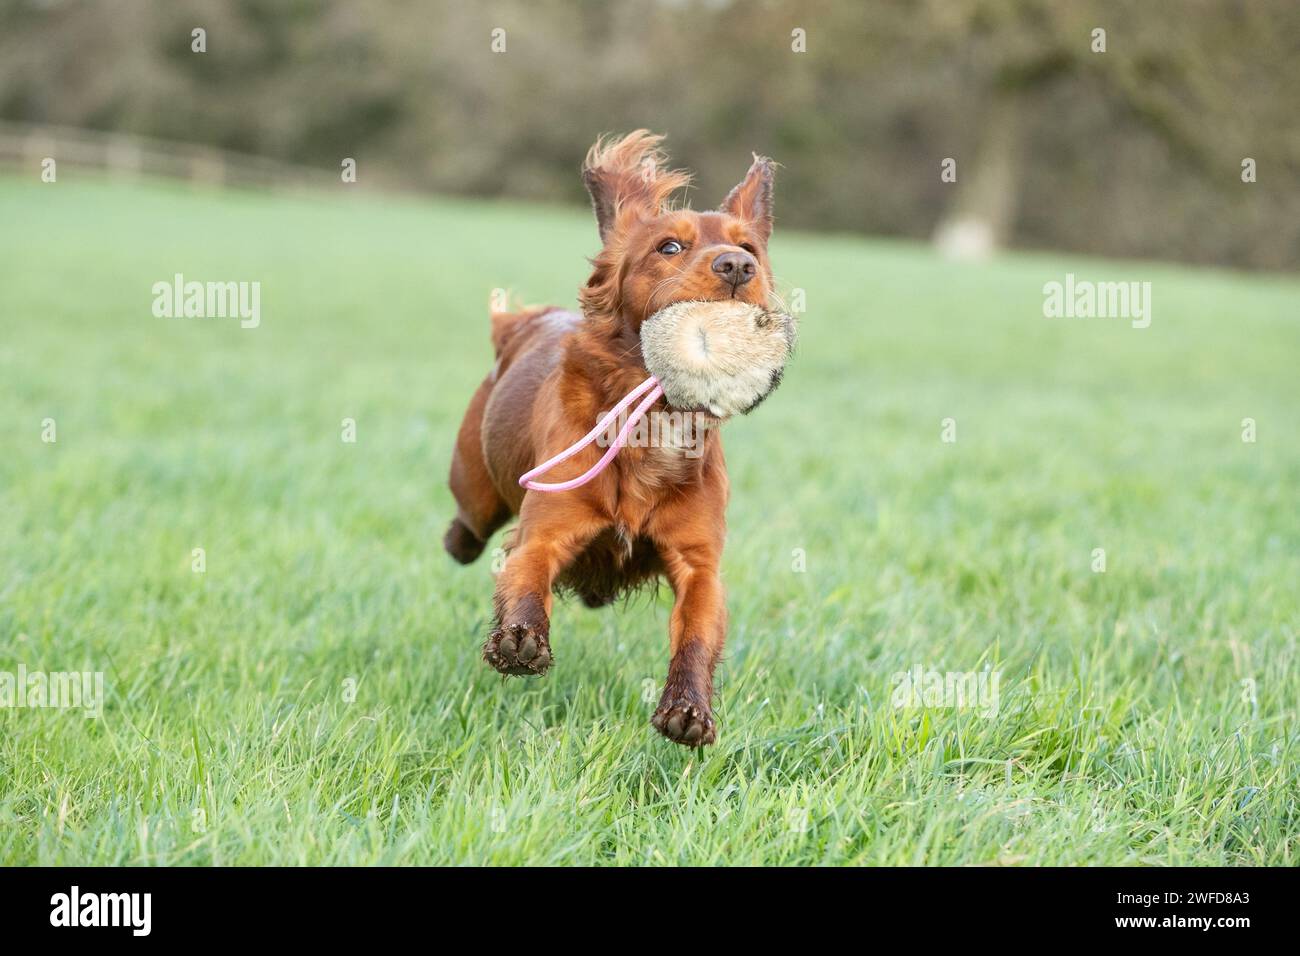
(736, 268)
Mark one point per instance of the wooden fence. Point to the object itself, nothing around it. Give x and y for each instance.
(26, 146)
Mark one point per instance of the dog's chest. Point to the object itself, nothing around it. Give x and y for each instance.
(666, 450)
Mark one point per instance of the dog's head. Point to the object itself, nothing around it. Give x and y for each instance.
(655, 254)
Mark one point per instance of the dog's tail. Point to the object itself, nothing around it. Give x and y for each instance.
(507, 324)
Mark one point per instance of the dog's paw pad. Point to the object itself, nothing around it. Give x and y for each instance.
(685, 723)
(520, 649)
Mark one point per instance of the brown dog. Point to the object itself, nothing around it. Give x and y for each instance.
(654, 510)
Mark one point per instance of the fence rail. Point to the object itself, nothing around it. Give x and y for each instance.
(124, 156)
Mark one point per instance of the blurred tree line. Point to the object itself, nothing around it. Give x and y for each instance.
(1134, 151)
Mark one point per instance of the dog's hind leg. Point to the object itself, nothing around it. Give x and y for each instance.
(480, 510)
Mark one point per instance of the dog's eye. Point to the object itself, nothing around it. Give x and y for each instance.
(748, 247)
(670, 247)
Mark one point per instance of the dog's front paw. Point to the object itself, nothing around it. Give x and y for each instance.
(519, 649)
(684, 722)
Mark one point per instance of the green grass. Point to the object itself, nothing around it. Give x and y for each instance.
(1125, 733)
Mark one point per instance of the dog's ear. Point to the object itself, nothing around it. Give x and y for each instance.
(627, 177)
(751, 200)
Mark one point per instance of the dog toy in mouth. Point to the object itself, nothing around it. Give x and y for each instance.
(720, 358)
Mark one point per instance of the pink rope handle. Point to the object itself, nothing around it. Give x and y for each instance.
(526, 479)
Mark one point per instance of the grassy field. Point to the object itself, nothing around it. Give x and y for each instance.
(316, 694)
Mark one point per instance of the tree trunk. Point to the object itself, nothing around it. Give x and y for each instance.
(983, 211)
